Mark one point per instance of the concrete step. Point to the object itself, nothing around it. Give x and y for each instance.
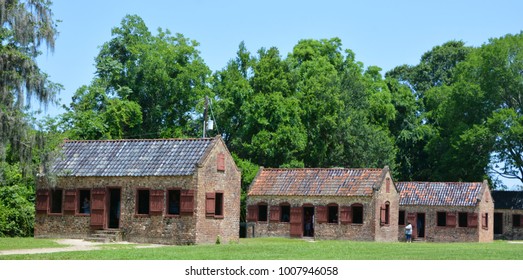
(105, 236)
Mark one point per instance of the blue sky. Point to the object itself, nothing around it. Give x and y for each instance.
(382, 33)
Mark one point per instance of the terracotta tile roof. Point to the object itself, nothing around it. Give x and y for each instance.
(439, 193)
(508, 199)
(315, 182)
(159, 157)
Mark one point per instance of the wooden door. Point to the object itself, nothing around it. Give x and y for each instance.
(296, 222)
(98, 203)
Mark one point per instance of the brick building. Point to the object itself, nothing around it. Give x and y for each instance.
(446, 212)
(333, 203)
(508, 214)
(169, 191)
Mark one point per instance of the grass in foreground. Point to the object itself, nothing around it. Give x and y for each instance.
(16, 243)
(296, 249)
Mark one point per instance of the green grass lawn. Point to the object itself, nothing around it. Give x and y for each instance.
(288, 249)
(27, 243)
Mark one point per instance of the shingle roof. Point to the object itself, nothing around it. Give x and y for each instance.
(315, 182)
(161, 157)
(439, 193)
(508, 199)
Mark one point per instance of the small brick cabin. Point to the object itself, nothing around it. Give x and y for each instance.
(446, 212)
(167, 191)
(324, 203)
(508, 214)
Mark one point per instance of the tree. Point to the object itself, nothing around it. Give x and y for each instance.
(163, 74)
(25, 26)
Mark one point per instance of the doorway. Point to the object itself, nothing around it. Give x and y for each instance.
(308, 221)
(498, 223)
(114, 208)
(420, 225)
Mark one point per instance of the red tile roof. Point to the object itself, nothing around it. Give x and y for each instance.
(439, 193)
(316, 181)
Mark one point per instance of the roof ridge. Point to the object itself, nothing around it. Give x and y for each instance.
(321, 168)
(425, 182)
(139, 140)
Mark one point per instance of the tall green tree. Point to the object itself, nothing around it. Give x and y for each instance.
(162, 73)
(24, 27)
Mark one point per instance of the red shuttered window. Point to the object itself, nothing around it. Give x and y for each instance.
(472, 220)
(187, 202)
(70, 201)
(209, 204)
(252, 213)
(220, 162)
(484, 220)
(42, 201)
(345, 215)
(157, 202)
(321, 214)
(451, 219)
(274, 213)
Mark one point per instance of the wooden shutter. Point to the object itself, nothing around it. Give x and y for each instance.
(484, 220)
(472, 220)
(220, 164)
(42, 201)
(187, 202)
(383, 214)
(321, 214)
(210, 204)
(70, 201)
(296, 222)
(252, 213)
(275, 213)
(156, 202)
(521, 220)
(345, 215)
(98, 208)
(451, 219)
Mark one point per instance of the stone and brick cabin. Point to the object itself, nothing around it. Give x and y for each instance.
(167, 191)
(446, 212)
(508, 214)
(324, 203)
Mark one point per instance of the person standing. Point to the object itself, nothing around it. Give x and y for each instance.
(408, 233)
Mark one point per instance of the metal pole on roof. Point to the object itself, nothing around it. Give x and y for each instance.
(205, 116)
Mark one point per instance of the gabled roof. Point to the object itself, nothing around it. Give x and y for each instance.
(158, 157)
(316, 182)
(508, 199)
(439, 193)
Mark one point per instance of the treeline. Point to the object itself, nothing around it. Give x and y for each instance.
(455, 116)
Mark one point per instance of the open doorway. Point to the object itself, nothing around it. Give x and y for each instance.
(308, 221)
(498, 223)
(114, 208)
(420, 225)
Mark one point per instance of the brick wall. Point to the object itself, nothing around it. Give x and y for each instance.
(228, 181)
(321, 231)
(509, 231)
(390, 195)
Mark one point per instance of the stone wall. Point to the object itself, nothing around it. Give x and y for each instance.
(383, 195)
(228, 181)
(509, 231)
(321, 231)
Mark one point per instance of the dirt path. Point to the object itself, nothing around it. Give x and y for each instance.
(74, 245)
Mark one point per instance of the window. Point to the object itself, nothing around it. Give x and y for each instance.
(220, 162)
(173, 202)
(262, 212)
(332, 217)
(401, 218)
(56, 201)
(516, 220)
(84, 203)
(442, 219)
(218, 205)
(484, 220)
(385, 214)
(285, 213)
(142, 202)
(214, 204)
(463, 219)
(357, 213)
